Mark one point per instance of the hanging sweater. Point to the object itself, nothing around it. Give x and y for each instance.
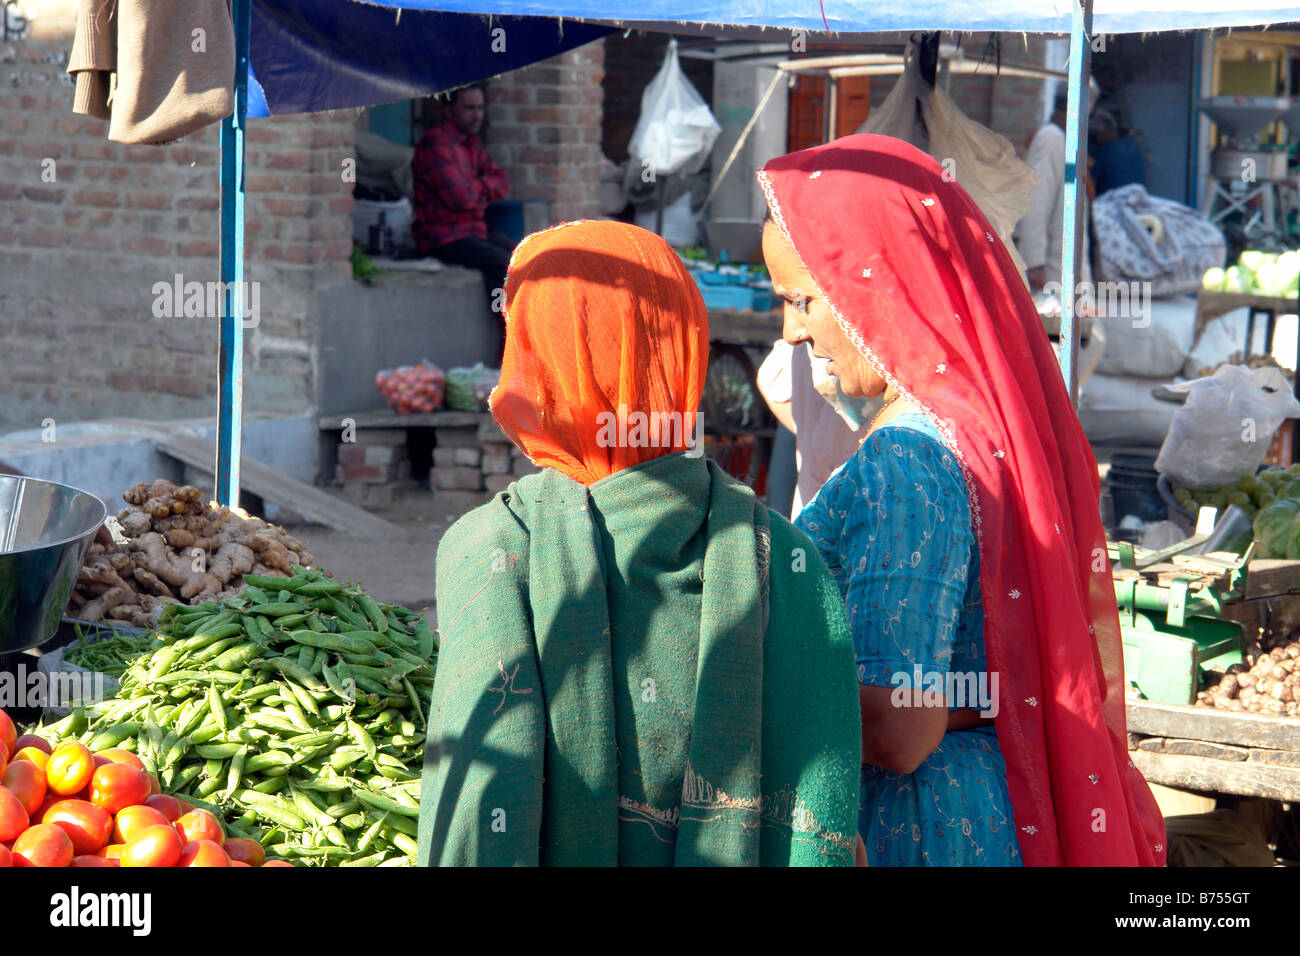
(155, 69)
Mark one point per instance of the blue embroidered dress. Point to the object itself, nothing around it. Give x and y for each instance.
(894, 525)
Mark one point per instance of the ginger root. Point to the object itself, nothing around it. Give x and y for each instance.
(179, 548)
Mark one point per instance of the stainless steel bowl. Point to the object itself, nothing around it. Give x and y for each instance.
(45, 531)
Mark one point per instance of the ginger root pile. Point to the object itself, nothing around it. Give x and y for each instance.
(1268, 683)
(179, 550)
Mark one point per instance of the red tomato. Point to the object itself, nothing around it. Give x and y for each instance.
(203, 853)
(31, 740)
(8, 732)
(4, 759)
(87, 825)
(70, 768)
(112, 852)
(116, 785)
(200, 825)
(118, 755)
(89, 859)
(6, 858)
(275, 863)
(169, 807)
(154, 785)
(132, 821)
(13, 815)
(186, 806)
(248, 852)
(155, 846)
(232, 863)
(32, 755)
(26, 781)
(43, 845)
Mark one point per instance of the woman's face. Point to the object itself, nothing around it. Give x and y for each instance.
(808, 318)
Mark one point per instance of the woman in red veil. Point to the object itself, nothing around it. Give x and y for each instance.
(965, 534)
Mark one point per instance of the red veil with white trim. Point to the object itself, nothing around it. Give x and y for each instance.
(915, 276)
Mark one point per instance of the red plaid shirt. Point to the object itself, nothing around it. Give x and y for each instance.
(455, 179)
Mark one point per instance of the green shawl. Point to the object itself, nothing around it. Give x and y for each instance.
(631, 674)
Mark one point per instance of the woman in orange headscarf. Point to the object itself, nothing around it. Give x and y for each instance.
(640, 664)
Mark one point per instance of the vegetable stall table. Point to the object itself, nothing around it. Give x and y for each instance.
(1185, 617)
(1197, 748)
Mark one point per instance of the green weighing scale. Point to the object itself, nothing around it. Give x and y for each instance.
(1171, 633)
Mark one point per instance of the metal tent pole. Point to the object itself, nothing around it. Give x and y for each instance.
(1076, 163)
(230, 357)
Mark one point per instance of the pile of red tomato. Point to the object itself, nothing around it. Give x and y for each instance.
(64, 806)
(413, 388)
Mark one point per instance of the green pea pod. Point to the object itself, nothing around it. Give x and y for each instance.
(341, 809)
(373, 860)
(291, 620)
(215, 636)
(195, 719)
(363, 844)
(270, 760)
(186, 774)
(221, 751)
(162, 661)
(271, 722)
(406, 844)
(271, 785)
(176, 751)
(346, 614)
(380, 802)
(235, 773)
(424, 633)
(113, 736)
(217, 707)
(371, 610)
(344, 757)
(276, 584)
(178, 677)
(290, 669)
(238, 657)
(298, 718)
(307, 809)
(259, 691)
(306, 655)
(353, 821)
(216, 649)
(362, 737)
(319, 588)
(305, 700)
(207, 787)
(255, 594)
(403, 825)
(277, 814)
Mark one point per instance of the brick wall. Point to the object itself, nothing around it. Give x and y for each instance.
(83, 252)
(545, 130)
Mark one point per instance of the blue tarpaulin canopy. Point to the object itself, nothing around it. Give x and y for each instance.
(312, 55)
(295, 56)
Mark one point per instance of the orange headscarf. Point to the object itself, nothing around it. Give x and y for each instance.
(607, 342)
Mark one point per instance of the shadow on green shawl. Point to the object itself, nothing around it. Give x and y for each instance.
(653, 670)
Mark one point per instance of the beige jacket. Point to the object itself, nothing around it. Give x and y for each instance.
(157, 70)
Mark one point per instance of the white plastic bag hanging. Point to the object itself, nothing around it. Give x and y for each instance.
(676, 130)
(1224, 430)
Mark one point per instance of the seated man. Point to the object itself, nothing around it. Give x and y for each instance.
(455, 179)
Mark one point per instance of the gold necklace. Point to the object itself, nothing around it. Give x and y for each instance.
(872, 427)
